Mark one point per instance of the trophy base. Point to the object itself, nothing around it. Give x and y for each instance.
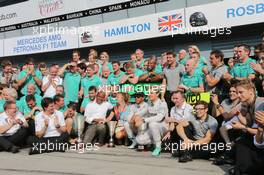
(110, 145)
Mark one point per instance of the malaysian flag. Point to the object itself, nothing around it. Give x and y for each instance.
(171, 22)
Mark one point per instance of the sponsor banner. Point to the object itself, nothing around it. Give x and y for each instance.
(39, 43)
(149, 26)
(224, 14)
(193, 98)
(1, 48)
(50, 11)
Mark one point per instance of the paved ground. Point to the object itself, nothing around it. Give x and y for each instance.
(114, 161)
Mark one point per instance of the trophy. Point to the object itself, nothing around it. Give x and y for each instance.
(141, 130)
(79, 120)
(111, 126)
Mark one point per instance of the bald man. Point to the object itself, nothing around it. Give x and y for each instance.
(190, 81)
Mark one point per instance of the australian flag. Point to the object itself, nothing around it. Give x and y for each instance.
(171, 22)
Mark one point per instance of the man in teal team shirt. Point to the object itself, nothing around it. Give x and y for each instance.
(59, 103)
(29, 76)
(153, 74)
(31, 90)
(90, 80)
(132, 73)
(190, 81)
(242, 70)
(183, 57)
(72, 80)
(115, 77)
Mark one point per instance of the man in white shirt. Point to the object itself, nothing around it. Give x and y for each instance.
(50, 130)
(12, 128)
(50, 82)
(95, 116)
(181, 111)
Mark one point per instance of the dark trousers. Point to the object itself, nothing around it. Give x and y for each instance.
(31, 127)
(167, 97)
(7, 142)
(50, 143)
(249, 159)
(195, 152)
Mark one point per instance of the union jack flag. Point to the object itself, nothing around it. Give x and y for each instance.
(170, 23)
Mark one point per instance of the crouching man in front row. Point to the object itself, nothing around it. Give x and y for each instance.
(12, 128)
(196, 132)
(50, 129)
(157, 127)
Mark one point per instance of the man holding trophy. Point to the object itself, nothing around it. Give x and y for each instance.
(95, 117)
(157, 110)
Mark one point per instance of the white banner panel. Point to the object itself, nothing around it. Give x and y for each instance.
(1, 48)
(38, 9)
(149, 26)
(226, 13)
(38, 44)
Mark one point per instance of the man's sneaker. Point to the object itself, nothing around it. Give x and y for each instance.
(156, 151)
(185, 157)
(33, 151)
(14, 149)
(133, 145)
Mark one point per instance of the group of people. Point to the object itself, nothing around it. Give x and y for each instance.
(69, 104)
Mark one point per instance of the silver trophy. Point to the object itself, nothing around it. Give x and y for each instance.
(111, 126)
(141, 131)
(79, 126)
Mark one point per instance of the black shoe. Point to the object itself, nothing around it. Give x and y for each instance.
(33, 151)
(223, 160)
(185, 157)
(231, 171)
(14, 149)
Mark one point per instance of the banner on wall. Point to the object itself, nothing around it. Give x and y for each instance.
(149, 26)
(1, 48)
(224, 14)
(37, 44)
(181, 21)
(41, 12)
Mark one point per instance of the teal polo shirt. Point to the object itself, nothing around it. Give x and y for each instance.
(193, 81)
(87, 82)
(85, 102)
(183, 61)
(2, 103)
(115, 79)
(112, 100)
(71, 85)
(23, 104)
(29, 80)
(243, 70)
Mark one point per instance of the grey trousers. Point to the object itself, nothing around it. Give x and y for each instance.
(153, 135)
(95, 130)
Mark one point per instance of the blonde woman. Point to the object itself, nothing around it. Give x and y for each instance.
(120, 113)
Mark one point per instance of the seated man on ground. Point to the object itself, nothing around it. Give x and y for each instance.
(157, 111)
(12, 128)
(197, 131)
(51, 134)
(95, 117)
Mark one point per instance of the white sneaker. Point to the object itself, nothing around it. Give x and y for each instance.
(133, 145)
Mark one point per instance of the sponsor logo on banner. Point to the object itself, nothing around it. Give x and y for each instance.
(198, 19)
(170, 23)
(47, 7)
(86, 37)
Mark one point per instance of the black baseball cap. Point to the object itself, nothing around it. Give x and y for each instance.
(139, 94)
